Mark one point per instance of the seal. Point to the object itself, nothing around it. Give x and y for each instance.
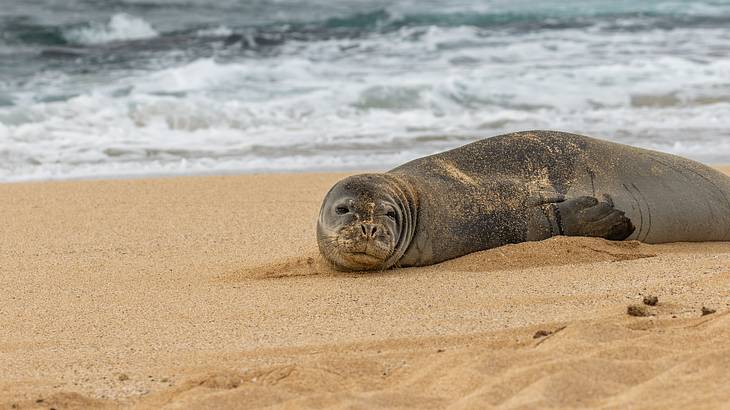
(524, 186)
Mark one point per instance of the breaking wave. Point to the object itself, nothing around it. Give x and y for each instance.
(369, 88)
(120, 27)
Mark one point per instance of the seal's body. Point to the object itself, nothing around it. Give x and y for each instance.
(519, 187)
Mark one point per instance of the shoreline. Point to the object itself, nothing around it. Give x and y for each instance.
(212, 173)
(209, 291)
(234, 172)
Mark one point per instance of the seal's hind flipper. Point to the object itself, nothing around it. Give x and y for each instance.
(587, 216)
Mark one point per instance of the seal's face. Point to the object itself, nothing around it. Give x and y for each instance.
(360, 223)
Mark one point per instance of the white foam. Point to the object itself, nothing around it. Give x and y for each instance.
(220, 31)
(120, 27)
(199, 75)
(374, 101)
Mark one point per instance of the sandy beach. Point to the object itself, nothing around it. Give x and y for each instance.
(208, 292)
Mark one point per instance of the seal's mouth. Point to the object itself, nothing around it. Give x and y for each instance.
(372, 249)
(358, 247)
(362, 260)
(364, 256)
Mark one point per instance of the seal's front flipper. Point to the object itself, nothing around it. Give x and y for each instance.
(586, 216)
(541, 216)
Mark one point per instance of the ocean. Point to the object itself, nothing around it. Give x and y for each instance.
(117, 88)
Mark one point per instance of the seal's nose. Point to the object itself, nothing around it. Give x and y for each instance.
(369, 230)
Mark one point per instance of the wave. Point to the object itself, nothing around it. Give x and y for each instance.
(217, 31)
(384, 21)
(126, 27)
(23, 30)
(197, 118)
(120, 27)
(374, 87)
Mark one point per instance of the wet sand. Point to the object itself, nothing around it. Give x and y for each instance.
(208, 292)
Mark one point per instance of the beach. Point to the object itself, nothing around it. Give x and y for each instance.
(163, 163)
(209, 292)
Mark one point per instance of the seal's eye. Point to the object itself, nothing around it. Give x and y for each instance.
(391, 214)
(341, 210)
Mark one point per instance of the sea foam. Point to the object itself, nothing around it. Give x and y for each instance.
(362, 94)
(120, 27)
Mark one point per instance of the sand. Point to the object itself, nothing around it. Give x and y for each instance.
(208, 292)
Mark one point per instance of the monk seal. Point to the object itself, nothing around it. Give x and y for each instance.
(524, 186)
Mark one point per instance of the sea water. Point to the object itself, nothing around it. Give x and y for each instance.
(95, 88)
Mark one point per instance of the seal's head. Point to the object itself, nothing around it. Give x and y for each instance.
(367, 222)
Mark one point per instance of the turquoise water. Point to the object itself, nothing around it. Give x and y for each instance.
(146, 87)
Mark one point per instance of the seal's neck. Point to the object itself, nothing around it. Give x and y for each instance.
(406, 199)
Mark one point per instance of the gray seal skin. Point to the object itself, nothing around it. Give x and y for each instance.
(518, 187)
